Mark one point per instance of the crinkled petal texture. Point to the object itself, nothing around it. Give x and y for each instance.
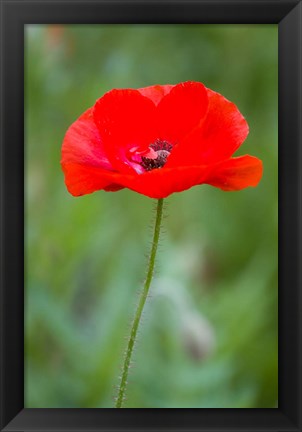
(102, 149)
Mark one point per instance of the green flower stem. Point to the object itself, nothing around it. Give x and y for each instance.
(140, 307)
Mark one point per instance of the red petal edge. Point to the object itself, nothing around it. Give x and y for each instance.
(230, 175)
(82, 143)
(236, 173)
(156, 92)
(217, 138)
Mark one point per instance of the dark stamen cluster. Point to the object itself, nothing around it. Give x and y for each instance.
(163, 149)
(161, 145)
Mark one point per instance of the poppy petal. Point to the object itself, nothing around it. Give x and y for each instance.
(125, 119)
(161, 183)
(81, 179)
(82, 143)
(223, 130)
(230, 175)
(236, 173)
(181, 110)
(156, 92)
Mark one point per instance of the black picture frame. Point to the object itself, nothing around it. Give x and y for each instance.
(14, 15)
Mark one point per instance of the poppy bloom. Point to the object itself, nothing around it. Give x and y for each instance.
(158, 140)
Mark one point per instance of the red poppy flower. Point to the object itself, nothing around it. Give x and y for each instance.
(158, 140)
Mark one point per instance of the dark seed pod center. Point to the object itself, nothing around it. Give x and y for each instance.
(162, 149)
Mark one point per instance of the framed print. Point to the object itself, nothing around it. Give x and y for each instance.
(150, 230)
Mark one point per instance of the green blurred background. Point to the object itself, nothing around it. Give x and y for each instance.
(209, 332)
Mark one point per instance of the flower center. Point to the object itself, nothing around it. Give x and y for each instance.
(158, 155)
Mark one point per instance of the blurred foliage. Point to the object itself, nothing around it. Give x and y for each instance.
(209, 332)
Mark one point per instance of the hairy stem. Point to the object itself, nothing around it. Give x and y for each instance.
(140, 307)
